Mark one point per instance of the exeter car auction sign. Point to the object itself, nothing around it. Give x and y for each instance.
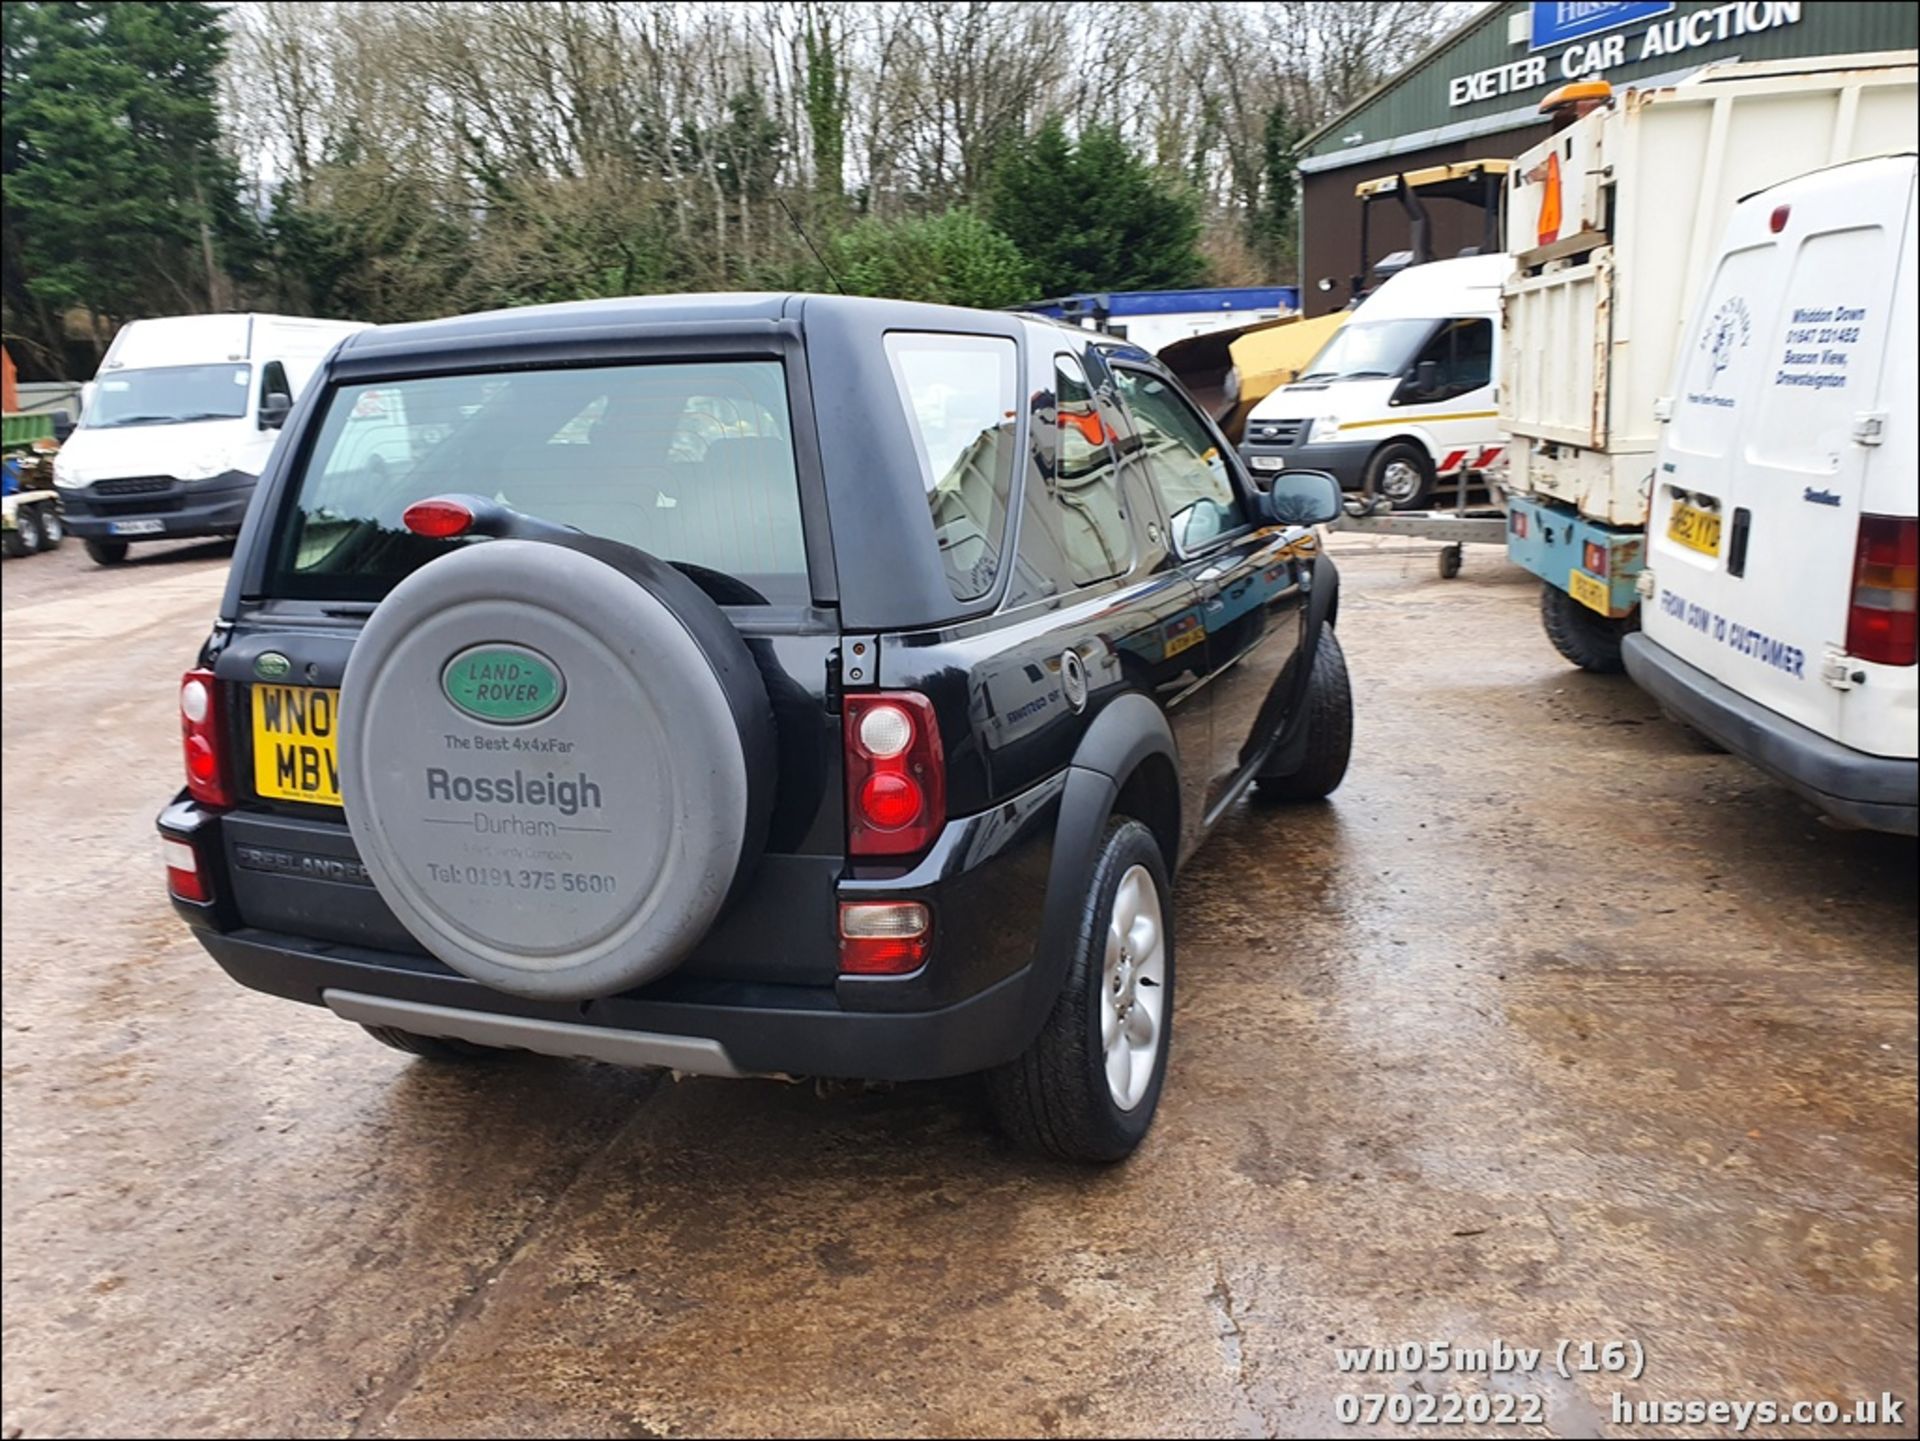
(1596, 36)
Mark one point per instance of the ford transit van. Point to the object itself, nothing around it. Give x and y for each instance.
(1779, 599)
(1402, 396)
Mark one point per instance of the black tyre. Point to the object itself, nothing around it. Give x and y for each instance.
(20, 540)
(26, 531)
(1402, 474)
(446, 1049)
(1087, 1088)
(1329, 730)
(107, 552)
(1586, 638)
(53, 529)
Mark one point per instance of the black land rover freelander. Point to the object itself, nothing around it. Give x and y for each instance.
(751, 684)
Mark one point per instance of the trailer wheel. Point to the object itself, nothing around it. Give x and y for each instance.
(25, 538)
(53, 529)
(1589, 640)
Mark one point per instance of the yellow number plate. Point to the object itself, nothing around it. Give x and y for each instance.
(293, 744)
(1589, 592)
(1695, 529)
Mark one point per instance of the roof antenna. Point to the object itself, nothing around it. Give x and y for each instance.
(795, 220)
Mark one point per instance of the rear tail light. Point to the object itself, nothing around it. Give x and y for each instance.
(183, 871)
(200, 739)
(896, 783)
(1595, 557)
(1883, 623)
(883, 938)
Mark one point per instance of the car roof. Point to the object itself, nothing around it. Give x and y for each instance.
(639, 315)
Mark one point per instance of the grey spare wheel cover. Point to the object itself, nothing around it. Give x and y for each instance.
(574, 828)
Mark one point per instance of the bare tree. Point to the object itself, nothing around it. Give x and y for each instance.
(466, 152)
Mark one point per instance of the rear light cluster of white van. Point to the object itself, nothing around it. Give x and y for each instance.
(1883, 621)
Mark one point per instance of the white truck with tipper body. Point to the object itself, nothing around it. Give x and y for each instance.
(1613, 223)
(179, 421)
(1784, 549)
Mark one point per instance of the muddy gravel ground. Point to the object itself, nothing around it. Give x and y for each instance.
(1552, 1025)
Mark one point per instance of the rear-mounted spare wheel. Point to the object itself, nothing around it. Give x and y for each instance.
(556, 765)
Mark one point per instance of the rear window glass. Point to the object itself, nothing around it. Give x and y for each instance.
(958, 391)
(691, 462)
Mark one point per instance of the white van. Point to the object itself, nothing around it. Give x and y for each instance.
(1780, 590)
(177, 424)
(1403, 394)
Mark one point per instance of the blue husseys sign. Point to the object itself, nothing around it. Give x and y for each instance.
(1557, 21)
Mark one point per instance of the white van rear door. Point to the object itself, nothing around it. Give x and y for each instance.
(1756, 501)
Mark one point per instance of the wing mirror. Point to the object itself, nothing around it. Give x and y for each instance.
(1300, 497)
(274, 409)
(1426, 377)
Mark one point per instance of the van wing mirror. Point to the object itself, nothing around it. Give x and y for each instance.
(1426, 376)
(1300, 497)
(274, 409)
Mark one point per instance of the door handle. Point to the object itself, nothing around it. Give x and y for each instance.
(1737, 542)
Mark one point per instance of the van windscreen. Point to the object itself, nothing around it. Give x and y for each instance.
(692, 462)
(168, 395)
(1368, 350)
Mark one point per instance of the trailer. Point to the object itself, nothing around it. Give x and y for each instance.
(30, 519)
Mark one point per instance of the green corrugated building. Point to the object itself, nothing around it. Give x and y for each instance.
(1476, 95)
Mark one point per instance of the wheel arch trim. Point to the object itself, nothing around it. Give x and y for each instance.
(1130, 731)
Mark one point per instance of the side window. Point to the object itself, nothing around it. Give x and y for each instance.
(273, 381)
(1183, 459)
(1473, 354)
(1462, 353)
(1085, 481)
(959, 396)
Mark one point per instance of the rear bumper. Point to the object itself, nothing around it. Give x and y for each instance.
(1555, 542)
(295, 915)
(1872, 792)
(718, 1028)
(183, 509)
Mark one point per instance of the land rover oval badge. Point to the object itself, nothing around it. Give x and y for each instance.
(271, 665)
(505, 684)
